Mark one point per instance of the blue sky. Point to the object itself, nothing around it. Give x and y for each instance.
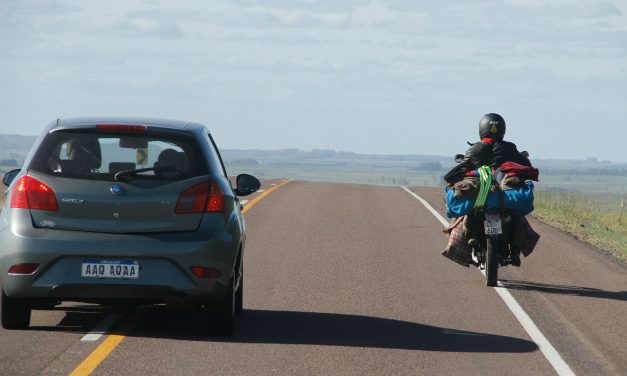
(394, 77)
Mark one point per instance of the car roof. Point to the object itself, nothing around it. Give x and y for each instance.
(83, 122)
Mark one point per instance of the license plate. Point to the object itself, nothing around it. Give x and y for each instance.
(95, 268)
(492, 225)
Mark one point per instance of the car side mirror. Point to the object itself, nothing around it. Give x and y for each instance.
(525, 154)
(459, 158)
(246, 184)
(9, 176)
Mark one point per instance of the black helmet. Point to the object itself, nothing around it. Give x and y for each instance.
(492, 125)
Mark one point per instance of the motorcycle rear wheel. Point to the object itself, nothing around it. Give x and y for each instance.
(491, 262)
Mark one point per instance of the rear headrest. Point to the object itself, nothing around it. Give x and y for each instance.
(174, 159)
(86, 153)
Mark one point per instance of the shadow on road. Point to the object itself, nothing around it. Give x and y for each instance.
(78, 318)
(310, 328)
(565, 290)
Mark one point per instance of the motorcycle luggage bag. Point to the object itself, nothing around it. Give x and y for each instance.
(519, 202)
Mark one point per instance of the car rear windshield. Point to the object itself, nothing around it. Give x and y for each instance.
(90, 154)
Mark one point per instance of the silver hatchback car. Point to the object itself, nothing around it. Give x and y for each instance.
(130, 209)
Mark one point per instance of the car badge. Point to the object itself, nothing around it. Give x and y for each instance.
(116, 189)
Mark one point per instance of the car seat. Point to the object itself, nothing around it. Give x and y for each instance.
(171, 164)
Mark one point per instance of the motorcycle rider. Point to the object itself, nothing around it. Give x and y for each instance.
(514, 173)
(492, 150)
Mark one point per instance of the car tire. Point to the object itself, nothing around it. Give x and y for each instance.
(15, 312)
(239, 297)
(222, 316)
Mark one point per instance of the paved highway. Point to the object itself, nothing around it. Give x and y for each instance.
(348, 279)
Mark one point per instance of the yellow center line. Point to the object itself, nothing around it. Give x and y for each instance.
(101, 352)
(94, 359)
(255, 200)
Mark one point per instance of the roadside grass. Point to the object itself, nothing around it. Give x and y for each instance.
(588, 184)
(593, 218)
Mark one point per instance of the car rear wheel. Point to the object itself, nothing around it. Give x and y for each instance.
(222, 315)
(239, 297)
(15, 312)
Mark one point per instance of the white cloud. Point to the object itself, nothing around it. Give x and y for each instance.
(145, 27)
(309, 19)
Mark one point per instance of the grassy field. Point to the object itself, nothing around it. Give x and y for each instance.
(586, 184)
(586, 206)
(592, 217)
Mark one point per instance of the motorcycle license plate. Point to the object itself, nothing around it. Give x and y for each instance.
(492, 225)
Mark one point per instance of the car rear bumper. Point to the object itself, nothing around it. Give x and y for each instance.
(164, 262)
(104, 291)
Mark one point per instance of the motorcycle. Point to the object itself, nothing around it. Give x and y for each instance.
(490, 230)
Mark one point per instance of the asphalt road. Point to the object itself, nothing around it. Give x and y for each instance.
(348, 279)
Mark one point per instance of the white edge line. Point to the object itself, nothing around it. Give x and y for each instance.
(101, 328)
(442, 220)
(550, 353)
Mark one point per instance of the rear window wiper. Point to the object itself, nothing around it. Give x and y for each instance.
(119, 175)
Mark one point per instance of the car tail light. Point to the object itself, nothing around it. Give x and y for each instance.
(200, 198)
(205, 272)
(193, 200)
(216, 199)
(121, 127)
(29, 268)
(30, 193)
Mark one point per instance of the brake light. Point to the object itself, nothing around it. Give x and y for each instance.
(193, 200)
(30, 193)
(201, 198)
(216, 199)
(28, 268)
(205, 272)
(121, 127)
